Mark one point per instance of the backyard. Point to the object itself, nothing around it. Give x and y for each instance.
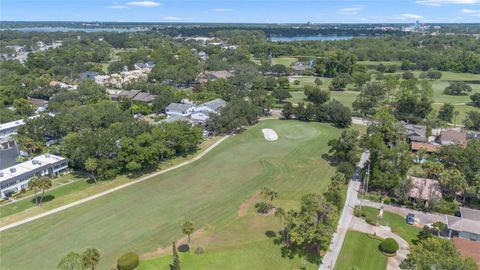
(146, 217)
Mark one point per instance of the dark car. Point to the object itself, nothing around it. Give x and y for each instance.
(410, 218)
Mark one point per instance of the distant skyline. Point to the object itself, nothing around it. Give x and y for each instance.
(244, 11)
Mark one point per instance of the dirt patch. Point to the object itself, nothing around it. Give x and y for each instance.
(243, 209)
(270, 212)
(468, 248)
(168, 249)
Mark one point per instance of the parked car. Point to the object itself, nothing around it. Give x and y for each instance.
(410, 218)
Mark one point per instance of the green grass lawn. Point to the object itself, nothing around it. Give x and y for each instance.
(397, 223)
(284, 60)
(61, 195)
(147, 216)
(361, 251)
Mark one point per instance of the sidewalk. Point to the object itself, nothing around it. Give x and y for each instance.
(330, 258)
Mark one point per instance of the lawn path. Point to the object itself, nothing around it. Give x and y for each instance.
(93, 197)
(330, 258)
(360, 225)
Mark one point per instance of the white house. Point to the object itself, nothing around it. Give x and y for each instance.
(15, 178)
(467, 226)
(181, 109)
(211, 106)
(200, 116)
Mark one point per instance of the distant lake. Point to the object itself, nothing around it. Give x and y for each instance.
(71, 29)
(308, 38)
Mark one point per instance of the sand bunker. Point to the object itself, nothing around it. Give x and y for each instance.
(270, 134)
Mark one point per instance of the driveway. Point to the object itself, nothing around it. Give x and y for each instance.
(330, 258)
(421, 218)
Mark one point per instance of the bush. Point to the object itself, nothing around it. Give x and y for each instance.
(128, 261)
(389, 246)
(388, 200)
(357, 212)
(371, 220)
(446, 207)
(199, 250)
(440, 226)
(296, 82)
(263, 207)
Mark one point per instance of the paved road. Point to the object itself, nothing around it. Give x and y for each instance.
(93, 197)
(360, 225)
(421, 218)
(330, 258)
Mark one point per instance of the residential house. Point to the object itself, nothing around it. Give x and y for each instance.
(135, 95)
(15, 178)
(179, 109)
(63, 85)
(140, 65)
(425, 189)
(416, 133)
(40, 104)
(213, 75)
(88, 75)
(299, 68)
(467, 226)
(449, 137)
(212, 105)
(427, 147)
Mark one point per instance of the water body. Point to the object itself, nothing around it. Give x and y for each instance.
(70, 29)
(308, 38)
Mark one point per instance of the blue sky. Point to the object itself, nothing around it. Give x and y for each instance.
(260, 11)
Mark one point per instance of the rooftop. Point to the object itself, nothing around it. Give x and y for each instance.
(427, 188)
(29, 165)
(214, 104)
(431, 148)
(453, 136)
(179, 107)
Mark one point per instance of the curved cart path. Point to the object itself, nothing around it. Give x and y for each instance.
(98, 195)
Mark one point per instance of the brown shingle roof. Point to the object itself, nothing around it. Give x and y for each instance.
(458, 137)
(431, 148)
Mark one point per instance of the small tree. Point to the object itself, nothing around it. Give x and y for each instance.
(281, 94)
(175, 259)
(269, 194)
(71, 261)
(318, 81)
(91, 167)
(187, 229)
(91, 258)
(40, 185)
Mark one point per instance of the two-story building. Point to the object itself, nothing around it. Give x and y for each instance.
(15, 178)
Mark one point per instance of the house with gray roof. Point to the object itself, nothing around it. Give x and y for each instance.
(214, 75)
(179, 109)
(467, 226)
(212, 105)
(416, 133)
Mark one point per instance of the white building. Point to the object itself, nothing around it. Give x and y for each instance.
(10, 128)
(15, 178)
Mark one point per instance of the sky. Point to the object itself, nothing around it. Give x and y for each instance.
(243, 11)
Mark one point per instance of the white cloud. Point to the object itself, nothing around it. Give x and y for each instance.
(411, 16)
(470, 11)
(446, 2)
(350, 10)
(222, 9)
(172, 18)
(117, 6)
(143, 4)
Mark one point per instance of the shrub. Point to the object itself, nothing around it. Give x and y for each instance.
(440, 226)
(445, 207)
(371, 220)
(357, 212)
(199, 250)
(128, 261)
(296, 82)
(263, 207)
(389, 246)
(388, 200)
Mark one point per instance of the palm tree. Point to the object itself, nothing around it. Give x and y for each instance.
(279, 212)
(91, 257)
(34, 184)
(45, 184)
(455, 114)
(91, 166)
(188, 229)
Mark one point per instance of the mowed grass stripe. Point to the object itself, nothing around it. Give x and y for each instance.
(148, 215)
